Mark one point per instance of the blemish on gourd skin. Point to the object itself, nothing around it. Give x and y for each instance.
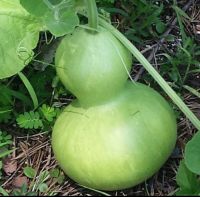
(135, 113)
(82, 114)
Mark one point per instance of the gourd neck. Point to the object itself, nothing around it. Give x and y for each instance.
(101, 99)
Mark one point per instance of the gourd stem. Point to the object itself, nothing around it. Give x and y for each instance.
(92, 14)
(164, 85)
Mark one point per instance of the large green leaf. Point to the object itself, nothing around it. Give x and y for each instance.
(192, 154)
(35, 7)
(19, 34)
(187, 180)
(58, 16)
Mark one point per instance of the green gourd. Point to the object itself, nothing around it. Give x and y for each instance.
(116, 134)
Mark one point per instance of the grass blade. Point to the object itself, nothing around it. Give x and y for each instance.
(95, 190)
(5, 153)
(192, 90)
(30, 89)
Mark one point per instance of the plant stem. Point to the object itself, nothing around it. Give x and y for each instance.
(171, 93)
(92, 14)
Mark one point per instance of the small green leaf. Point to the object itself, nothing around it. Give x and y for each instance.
(5, 153)
(160, 27)
(43, 176)
(192, 154)
(170, 38)
(5, 113)
(5, 138)
(174, 75)
(3, 192)
(43, 187)
(48, 112)
(5, 96)
(61, 178)
(54, 173)
(29, 172)
(61, 22)
(5, 143)
(30, 120)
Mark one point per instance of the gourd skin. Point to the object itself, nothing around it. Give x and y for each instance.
(118, 144)
(92, 66)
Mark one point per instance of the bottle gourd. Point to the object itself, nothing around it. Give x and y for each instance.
(115, 134)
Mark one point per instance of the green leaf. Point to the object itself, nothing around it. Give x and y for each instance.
(4, 144)
(54, 173)
(30, 120)
(39, 7)
(192, 154)
(187, 180)
(7, 94)
(40, 81)
(36, 7)
(160, 27)
(5, 97)
(59, 17)
(170, 38)
(5, 153)
(3, 192)
(43, 187)
(48, 112)
(19, 33)
(80, 5)
(58, 112)
(5, 113)
(186, 192)
(61, 178)
(57, 175)
(61, 22)
(43, 177)
(5, 138)
(29, 172)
